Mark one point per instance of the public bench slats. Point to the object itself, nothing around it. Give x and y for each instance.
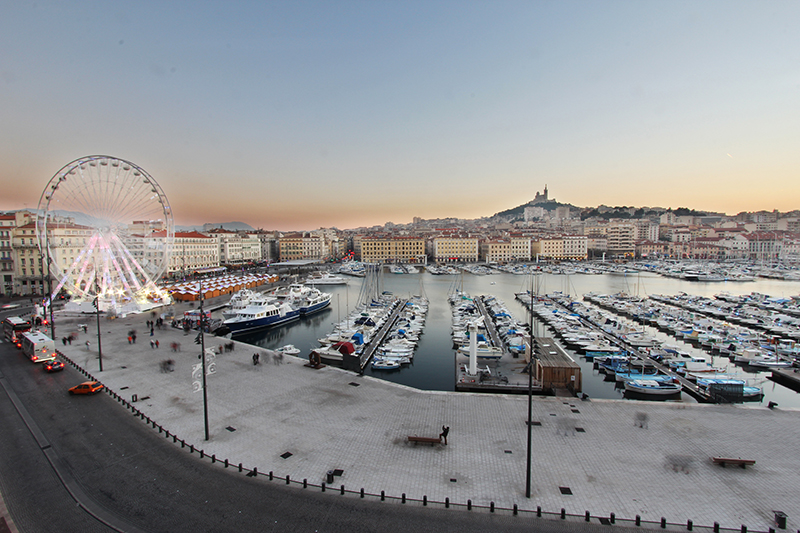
(427, 440)
(733, 461)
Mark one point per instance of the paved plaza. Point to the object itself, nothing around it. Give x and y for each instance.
(624, 457)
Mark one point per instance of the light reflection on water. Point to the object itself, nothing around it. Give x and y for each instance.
(434, 367)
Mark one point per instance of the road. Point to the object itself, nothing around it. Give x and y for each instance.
(139, 481)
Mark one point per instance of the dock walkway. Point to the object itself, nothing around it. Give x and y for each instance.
(377, 339)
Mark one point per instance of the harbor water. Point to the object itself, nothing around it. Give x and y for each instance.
(433, 367)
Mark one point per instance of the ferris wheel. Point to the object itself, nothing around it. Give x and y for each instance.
(107, 229)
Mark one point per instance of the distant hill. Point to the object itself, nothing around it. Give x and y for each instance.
(233, 226)
(520, 209)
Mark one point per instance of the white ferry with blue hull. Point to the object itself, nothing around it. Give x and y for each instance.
(262, 312)
(307, 300)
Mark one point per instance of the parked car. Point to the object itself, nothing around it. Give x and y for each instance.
(53, 366)
(87, 387)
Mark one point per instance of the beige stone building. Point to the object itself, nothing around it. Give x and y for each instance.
(392, 249)
(454, 249)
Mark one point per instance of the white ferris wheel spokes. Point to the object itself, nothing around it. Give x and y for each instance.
(107, 227)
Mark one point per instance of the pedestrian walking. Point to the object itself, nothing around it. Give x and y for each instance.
(256, 357)
(443, 434)
(129, 340)
(87, 346)
(156, 343)
(152, 344)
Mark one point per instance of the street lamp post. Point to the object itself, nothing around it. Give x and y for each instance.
(97, 312)
(530, 397)
(203, 357)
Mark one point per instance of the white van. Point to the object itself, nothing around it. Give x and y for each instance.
(38, 346)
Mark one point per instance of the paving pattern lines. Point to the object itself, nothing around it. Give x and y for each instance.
(327, 423)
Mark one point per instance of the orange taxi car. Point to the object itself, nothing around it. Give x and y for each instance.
(87, 387)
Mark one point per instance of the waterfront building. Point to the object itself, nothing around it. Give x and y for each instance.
(66, 240)
(496, 251)
(652, 249)
(764, 245)
(7, 225)
(596, 245)
(301, 245)
(236, 248)
(393, 249)
(453, 248)
(621, 238)
(191, 252)
(520, 247)
(561, 247)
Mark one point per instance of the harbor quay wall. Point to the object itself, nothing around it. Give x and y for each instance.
(651, 459)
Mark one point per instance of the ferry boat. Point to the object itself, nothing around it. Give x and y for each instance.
(238, 302)
(307, 300)
(262, 312)
(325, 278)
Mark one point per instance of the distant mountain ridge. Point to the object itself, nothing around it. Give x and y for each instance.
(232, 226)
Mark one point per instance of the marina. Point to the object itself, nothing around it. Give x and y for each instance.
(435, 365)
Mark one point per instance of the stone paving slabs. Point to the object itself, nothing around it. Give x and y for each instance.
(627, 457)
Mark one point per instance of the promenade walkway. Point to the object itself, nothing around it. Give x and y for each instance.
(624, 457)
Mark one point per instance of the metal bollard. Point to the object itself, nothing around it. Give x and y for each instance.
(744, 528)
(403, 498)
(287, 479)
(469, 505)
(638, 520)
(383, 496)
(424, 500)
(305, 483)
(341, 490)
(271, 475)
(191, 448)
(689, 525)
(588, 517)
(362, 492)
(447, 503)
(255, 471)
(663, 523)
(240, 467)
(563, 513)
(226, 463)
(612, 518)
(538, 511)
(202, 454)
(516, 509)
(716, 527)
(329, 477)
(491, 507)
(323, 486)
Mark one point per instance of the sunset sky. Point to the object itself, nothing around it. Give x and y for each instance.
(300, 115)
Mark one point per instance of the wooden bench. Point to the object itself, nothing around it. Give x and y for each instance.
(431, 440)
(730, 461)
